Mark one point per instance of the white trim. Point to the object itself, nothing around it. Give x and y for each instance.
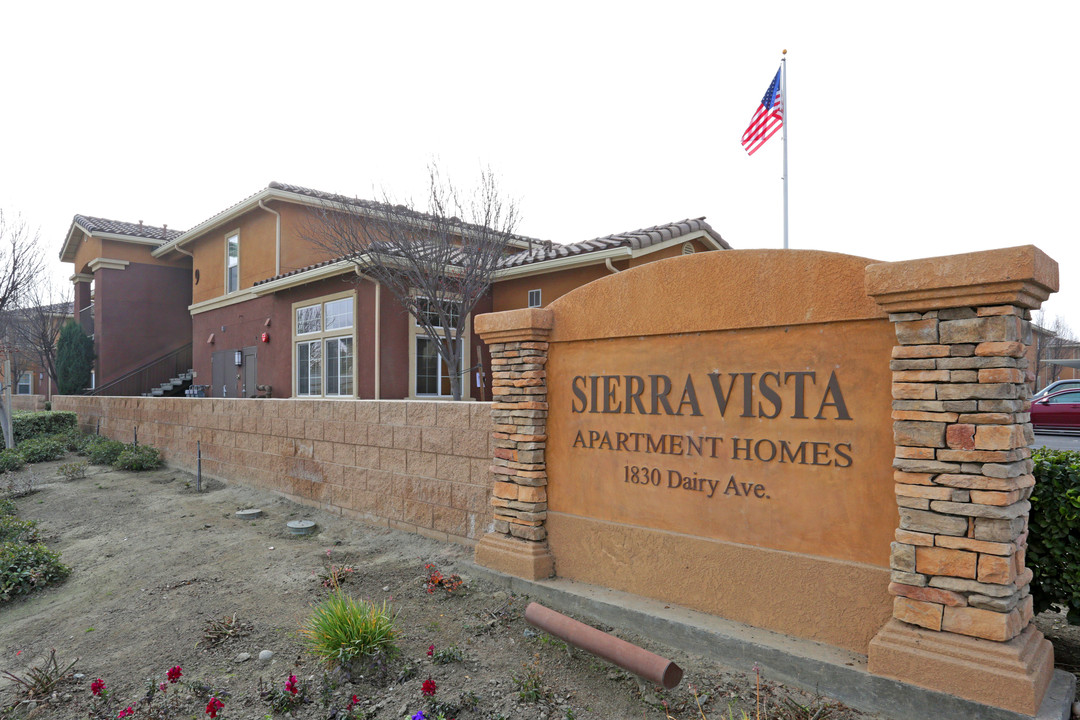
(253, 202)
(107, 264)
(81, 277)
(221, 301)
(303, 278)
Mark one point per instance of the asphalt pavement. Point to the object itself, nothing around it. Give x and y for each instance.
(1057, 442)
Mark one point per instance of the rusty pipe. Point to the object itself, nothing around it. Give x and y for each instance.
(639, 661)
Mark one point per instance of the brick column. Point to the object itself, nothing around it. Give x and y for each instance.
(518, 343)
(962, 607)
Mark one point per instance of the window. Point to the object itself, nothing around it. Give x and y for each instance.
(1065, 398)
(232, 263)
(324, 355)
(24, 385)
(430, 374)
(534, 298)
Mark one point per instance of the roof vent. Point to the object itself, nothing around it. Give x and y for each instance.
(165, 232)
(687, 248)
(140, 223)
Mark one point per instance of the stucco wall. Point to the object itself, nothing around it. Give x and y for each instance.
(419, 466)
(27, 402)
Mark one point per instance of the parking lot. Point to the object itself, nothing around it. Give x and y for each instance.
(1057, 442)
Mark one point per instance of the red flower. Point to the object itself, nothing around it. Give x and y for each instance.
(173, 674)
(430, 650)
(125, 712)
(163, 687)
(429, 687)
(213, 706)
(291, 685)
(97, 686)
(353, 701)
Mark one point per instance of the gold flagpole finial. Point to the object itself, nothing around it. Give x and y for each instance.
(784, 51)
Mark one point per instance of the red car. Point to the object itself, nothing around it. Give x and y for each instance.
(1057, 412)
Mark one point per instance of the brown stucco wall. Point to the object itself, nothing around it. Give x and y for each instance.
(140, 313)
(416, 466)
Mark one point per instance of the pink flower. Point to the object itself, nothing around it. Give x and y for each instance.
(430, 650)
(213, 706)
(125, 712)
(429, 687)
(353, 701)
(97, 686)
(173, 674)
(163, 687)
(291, 685)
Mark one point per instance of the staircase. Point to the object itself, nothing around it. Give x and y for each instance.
(167, 376)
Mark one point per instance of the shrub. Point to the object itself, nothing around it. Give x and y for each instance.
(7, 507)
(74, 440)
(342, 629)
(74, 359)
(12, 529)
(1053, 551)
(27, 425)
(41, 449)
(10, 460)
(25, 567)
(138, 457)
(103, 451)
(73, 471)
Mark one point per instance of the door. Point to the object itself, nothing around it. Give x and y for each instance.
(247, 388)
(221, 363)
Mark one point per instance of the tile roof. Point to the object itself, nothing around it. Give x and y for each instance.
(635, 240)
(117, 227)
(544, 251)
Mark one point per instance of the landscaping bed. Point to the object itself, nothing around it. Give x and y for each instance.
(163, 576)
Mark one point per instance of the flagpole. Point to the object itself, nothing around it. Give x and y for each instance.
(783, 91)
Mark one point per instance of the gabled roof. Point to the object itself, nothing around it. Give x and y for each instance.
(634, 240)
(587, 251)
(306, 196)
(114, 230)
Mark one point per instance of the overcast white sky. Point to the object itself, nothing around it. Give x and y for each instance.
(916, 129)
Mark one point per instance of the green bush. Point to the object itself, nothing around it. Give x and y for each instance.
(27, 425)
(74, 440)
(138, 457)
(1053, 551)
(103, 451)
(74, 359)
(342, 629)
(73, 471)
(41, 449)
(10, 460)
(12, 529)
(26, 567)
(7, 507)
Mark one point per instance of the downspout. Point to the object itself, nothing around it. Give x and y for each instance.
(612, 268)
(277, 238)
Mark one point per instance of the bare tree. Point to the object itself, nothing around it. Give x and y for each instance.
(1054, 340)
(36, 324)
(21, 266)
(438, 263)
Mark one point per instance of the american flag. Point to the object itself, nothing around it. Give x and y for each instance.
(767, 120)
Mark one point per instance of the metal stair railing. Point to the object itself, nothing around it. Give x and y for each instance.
(149, 376)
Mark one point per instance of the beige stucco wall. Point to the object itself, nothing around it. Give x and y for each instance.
(413, 465)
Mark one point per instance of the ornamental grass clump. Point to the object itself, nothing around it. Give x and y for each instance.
(343, 630)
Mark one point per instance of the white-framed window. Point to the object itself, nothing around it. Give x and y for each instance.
(534, 298)
(25, 384)
(232, 262)
(431, 377)
(324, 357)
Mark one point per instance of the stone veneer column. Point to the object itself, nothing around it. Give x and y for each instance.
(519, 349)
(962, 607)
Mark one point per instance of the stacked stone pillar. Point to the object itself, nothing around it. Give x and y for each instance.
(519, 353)
(963, 475)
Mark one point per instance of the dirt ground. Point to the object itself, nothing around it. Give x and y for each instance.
(153, 562)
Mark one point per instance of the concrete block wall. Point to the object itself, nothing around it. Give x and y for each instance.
(419, 466)
(27, 402)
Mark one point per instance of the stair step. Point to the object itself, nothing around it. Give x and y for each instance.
(157, 392)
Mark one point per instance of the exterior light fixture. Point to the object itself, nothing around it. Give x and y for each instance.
(239, 358)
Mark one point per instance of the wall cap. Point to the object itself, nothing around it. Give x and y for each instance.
(1023, 276)
(514, 325)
